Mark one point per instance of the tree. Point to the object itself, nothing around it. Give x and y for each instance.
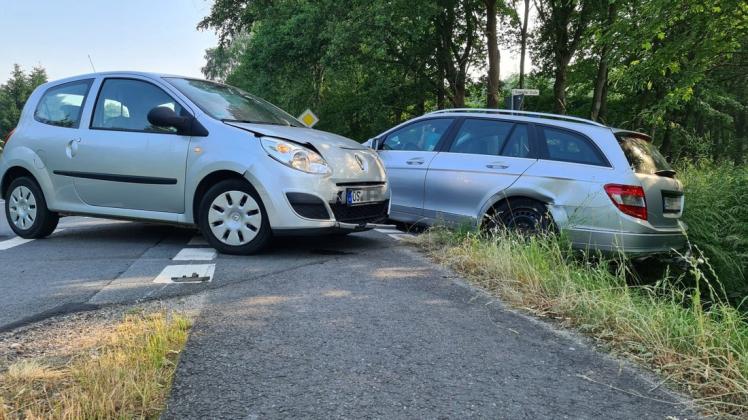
(14, 93)
(494, 58)
(562, 24)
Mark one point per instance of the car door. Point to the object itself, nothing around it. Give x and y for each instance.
(406, 153)
(123, 161)
(485, 157)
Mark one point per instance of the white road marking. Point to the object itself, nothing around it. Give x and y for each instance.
(14, 242)
(197, 240)
(10, 243)
(401, 236)
(196, 254)
(388, 231)
(171, 271)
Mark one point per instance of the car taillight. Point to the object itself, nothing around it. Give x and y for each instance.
(629, 199)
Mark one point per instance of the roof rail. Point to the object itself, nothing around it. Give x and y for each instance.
(520, 113)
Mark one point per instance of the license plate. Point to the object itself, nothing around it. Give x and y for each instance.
(671, 204)
(358, 196)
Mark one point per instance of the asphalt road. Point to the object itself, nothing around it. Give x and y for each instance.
(358, 326)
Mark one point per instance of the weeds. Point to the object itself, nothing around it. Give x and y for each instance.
(702, 350)
(127, 374)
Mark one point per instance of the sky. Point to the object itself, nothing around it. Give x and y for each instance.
(145, 35)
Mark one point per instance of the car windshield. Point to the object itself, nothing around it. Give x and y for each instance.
(644, 157)
(227, 103)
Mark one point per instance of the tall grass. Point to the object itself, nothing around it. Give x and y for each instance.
(127, 374)
(716, 212)
(704, 351)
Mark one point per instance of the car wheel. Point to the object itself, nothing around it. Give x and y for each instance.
(522, 215)
(27, 212)
(233, 218)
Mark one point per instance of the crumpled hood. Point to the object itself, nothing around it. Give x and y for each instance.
(345, 156)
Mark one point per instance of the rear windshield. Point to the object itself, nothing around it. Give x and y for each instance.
(643, 156)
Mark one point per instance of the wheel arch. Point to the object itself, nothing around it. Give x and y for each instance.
(11, 174)
(208, 181)
(541, 195)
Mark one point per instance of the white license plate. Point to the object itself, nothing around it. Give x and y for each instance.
(671, 204)
(358, 196)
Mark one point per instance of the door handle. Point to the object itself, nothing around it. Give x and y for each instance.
(72, 147)
(415, 161)
(497, 165)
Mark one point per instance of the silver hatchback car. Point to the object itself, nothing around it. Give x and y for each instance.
(607, 189)
(186, 151)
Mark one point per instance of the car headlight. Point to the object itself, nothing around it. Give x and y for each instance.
(295, 155)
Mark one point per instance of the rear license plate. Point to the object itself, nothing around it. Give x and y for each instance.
(671, 204)
(359, 196)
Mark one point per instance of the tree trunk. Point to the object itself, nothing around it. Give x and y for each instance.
(523, 46)
(599, 96)
(601, 81)
(559, 87)
(492, 100)
(667, 141)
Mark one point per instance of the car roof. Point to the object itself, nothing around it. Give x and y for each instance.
(151, 75)
(563, 121)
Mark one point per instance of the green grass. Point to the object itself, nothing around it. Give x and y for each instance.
(716, 212)
(702, 350)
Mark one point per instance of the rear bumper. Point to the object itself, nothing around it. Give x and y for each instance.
(628, 243)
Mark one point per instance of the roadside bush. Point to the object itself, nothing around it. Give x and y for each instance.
(717, 216)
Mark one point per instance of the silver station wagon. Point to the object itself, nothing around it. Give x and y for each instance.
(608, 189)
(186, 151)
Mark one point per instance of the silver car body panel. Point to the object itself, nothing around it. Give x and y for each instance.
(460, 188)
(173, 166)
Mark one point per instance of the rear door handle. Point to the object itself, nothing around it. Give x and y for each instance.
(415, 161)
(72, 148)
(497, 165)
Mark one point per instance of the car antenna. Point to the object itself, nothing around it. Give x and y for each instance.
(91, 61)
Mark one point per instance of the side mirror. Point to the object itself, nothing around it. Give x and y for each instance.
(376, 143)
(166, 117)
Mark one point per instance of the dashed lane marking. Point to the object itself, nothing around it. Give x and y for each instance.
(196, 254)
(401, 236)
(14, 242)
(10, 243)
(186, 271)
(388, 231)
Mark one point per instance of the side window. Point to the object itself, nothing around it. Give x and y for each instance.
(419, 136)
(481, 137)
(124, 104)
(518, 144)
(570, 147)
(62, 105)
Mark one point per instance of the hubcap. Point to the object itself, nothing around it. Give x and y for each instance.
(235, 218)
(22, 205)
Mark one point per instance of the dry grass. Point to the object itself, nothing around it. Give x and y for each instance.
(122, 373)
(702, 351)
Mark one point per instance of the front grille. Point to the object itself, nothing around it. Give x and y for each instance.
(364, 213)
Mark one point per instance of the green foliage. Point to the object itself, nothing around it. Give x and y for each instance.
(717, 219)
(13, 95)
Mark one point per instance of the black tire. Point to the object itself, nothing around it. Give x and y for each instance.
(44, 221)
(523, 215)
(263, 233)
